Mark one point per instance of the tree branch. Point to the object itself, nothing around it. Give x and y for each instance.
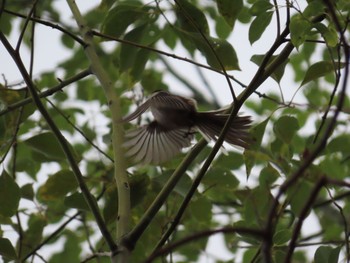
(226, 230)
(46, 93)
(63, 142)
(120, 175)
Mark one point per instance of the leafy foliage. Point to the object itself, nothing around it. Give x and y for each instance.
(58, 187)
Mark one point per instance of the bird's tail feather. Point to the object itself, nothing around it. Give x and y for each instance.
(211, 125)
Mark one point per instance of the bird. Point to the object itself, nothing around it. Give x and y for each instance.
(175, 121)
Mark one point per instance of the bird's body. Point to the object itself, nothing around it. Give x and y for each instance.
(175, 120)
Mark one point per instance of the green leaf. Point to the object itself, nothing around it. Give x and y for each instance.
(225, 53)
(33, 235)
(329, 34)
(110, 209)
(317, 70)
(181, 187)
(339, 144)
(58, 185)
(231, 161)
(268, 175)
(214, 50)
(264, 107)
(106, 4)
(244, 16)
(222, 29)
(285, 128)
(138, 68)
(220, 183)
(10, 194)
(279, 255)
(260, 7)
(257, 134)
(46, 147)
(190, 18)
(278, 73)
(24, 161)
(27, 191)
(6, 23)
(297, 195)
(121, 16)
(4, 220)
(252, 157)
(282, 153)
(250, 255)
(334, 256)
(256, 204)
(331, 37)
(230, 9)
(299, 28)
(70, 251)
(10, 122)
(201, 210)
(282, 237)
(7, 250)
(128, 52)
(168, 36)
(48, 79)
(138, 188)
(152, 81)
(327, 254)
(314, 8)
(332, 166)
(259, 25)
(9, 96)
(67, 41)
(77, 201)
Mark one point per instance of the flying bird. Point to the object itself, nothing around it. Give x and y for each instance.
(176, 120)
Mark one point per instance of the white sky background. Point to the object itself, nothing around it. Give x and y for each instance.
(49, 52)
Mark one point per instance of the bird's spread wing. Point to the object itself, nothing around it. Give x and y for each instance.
(163, 99)
(153, 144)
(140, 109)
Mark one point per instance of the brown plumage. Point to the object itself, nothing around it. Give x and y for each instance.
(176, 119)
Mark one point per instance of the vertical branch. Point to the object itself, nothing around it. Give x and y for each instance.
(120, 174)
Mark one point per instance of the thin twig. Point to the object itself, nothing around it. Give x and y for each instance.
(53, 235)
(26, 22)
(123, 41)
(48, 92)
(204, 234)
(81, 132)
(50, 24)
